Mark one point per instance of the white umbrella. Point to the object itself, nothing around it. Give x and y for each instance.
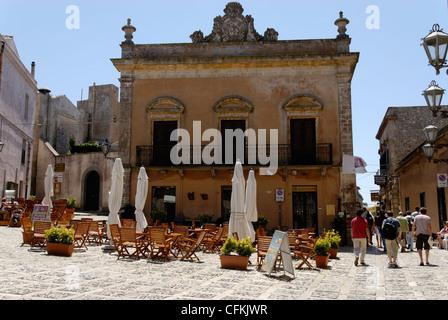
(238, 222)
(48, 186)
(115, 195)
(250, 208)
(140, 200)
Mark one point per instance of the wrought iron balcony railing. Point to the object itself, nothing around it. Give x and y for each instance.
(319, 154)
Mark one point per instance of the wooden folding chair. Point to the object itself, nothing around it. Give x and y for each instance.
(81, 234)
(160, 244)
(58, 209)
(211, 241)
(95, 234)
(39, 233)
(263, 243)
(27, 232)
(128, 223)
(211, 226)
(190, 246)
(305, 252)
(128, 241)
(115, 237)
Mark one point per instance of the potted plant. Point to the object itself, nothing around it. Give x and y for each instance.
(204, 196)
(321, 250)
(335, 240)
(190, 195)
(205, 218)
(70, 209)
(262, 221)
(60, 241)
(158, 214)
(243, 249)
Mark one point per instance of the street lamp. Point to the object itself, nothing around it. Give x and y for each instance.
(436, 47)
(105, 148)
(433, 96)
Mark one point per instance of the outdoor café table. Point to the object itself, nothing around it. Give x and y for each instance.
(198, 231)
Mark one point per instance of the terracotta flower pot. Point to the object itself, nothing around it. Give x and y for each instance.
(59, 249)
(234, 262)
(322, 261)
(333, 253)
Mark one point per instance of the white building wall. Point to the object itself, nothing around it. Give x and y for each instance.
(18, 97)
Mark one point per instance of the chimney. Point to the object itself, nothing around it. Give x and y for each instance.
(33, 68)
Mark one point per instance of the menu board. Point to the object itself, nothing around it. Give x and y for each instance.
(40, 213)
(279, 245)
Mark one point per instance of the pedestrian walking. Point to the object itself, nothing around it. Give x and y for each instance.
(404, 229)
(359, 232)
(378, 223)
(391, 231)
(371, 221)
(409, 236)
(422, 230)
(416, 212)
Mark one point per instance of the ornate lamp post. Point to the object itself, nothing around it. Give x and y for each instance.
(436, 47)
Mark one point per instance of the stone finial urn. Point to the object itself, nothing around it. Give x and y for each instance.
(128, 32)
(341, 23)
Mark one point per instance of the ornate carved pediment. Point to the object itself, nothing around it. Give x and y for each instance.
(234, 27)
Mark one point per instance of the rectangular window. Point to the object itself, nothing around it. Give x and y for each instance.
(23, 152)
(27, 102)
(422, 200)
(303, 141)
(407, 204)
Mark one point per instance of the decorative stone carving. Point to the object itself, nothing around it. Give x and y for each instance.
(128, 32)
(234, 27)
(342, 23)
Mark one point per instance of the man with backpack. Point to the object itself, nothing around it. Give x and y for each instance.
(391, 232)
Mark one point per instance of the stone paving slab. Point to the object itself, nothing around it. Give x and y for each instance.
(31, 274)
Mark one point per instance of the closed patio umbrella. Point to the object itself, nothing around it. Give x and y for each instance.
(140, 200)
(238, 222)
(48, 186)
(115, 195)
(250, 206)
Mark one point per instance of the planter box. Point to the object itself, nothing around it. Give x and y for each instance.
(322, 261)
(234, 262)
(59, 249)
(333, 253)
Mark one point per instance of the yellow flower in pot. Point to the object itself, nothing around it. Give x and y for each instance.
(243, 249)
(321, 249)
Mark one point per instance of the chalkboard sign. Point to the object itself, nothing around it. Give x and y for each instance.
(40, 213)
(279, 245)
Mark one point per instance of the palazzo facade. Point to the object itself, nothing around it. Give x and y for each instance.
(234, 78)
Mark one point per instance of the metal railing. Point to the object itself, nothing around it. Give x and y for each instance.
(319, 154)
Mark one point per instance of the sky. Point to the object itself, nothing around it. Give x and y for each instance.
(72, 43)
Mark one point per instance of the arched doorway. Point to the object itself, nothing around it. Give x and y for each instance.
(92, 191)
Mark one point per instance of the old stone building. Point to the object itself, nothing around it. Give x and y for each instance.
(235, 78)
(18, 102)
(400, 132)
(418, 178)
(84, 176)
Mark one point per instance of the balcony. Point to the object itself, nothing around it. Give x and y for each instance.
(288, 155)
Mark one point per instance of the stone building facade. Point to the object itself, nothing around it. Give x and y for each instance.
(85, 176)
(235, 78)
(18, 102)
(400, 132)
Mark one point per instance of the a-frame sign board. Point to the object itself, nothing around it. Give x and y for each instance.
(279, 245)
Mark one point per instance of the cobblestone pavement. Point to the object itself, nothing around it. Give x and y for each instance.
(30, 274)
